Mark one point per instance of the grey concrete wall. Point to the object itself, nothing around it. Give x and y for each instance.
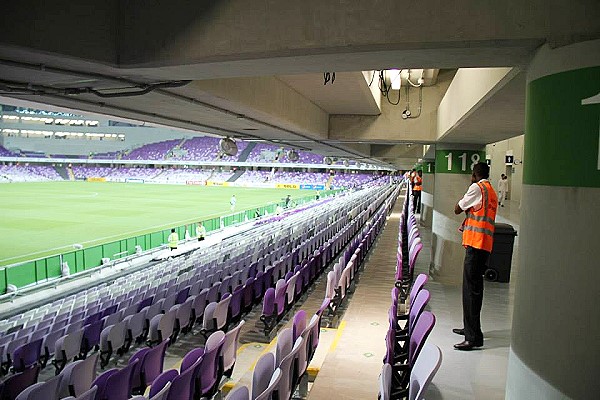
(389, 124)
(497, 151)
(447, 251)
(277, 102)
(427, 200)
(86, 29)
(555, 324)
(183, 32)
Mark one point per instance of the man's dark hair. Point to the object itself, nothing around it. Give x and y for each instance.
(482, 170)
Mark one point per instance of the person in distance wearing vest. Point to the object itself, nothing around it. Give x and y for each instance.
(173, 240)
(200, 231)
(417, 188)
(480, 204)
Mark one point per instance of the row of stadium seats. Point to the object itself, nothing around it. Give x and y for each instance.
(279, 375)
(159, 302)
(410, 362)
(200, 148)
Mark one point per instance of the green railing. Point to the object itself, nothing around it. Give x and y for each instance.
(43, 269)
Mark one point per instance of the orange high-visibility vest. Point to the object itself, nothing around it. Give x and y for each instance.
(418, 183)
(478, 229)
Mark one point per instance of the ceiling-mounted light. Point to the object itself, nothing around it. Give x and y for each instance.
(228, 146)
(292, 155)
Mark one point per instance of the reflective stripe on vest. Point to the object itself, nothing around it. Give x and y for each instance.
(478, 230)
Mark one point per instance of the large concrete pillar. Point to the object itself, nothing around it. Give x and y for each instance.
(428, 168)
(554, 348)
(453, 169)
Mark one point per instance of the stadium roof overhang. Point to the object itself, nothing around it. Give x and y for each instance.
(226, 69)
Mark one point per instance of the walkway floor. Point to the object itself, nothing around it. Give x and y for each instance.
(351, 369)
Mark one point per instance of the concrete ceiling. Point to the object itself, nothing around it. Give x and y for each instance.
(348, 94)
(500, 117)
(256, 68)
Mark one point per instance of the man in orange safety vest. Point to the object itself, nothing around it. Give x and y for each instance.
(479, 204)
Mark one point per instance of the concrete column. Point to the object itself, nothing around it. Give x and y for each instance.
(453, 168)
(554, 348)
(428, 167)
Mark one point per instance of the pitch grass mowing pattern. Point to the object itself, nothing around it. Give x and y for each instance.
(44, 218)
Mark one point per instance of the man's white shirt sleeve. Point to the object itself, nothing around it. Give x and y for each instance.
(472, 198)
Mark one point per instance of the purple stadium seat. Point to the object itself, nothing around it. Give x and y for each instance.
(115, 384)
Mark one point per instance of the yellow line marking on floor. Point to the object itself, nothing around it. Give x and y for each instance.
(338, 336)
(266, 350)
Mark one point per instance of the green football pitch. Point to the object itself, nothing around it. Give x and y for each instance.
(44, 218)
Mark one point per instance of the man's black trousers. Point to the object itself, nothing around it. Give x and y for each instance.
(474, 268)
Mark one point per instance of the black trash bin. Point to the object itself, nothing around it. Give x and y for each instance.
(501, 258)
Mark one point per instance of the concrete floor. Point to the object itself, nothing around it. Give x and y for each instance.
(351, 371)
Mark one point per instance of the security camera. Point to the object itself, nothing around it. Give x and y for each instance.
(420, 81)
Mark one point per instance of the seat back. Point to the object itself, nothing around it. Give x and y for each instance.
(299, 323)
(421, 331)
(423, 371)
(285, 342)
(77, 377)
(182, 387)
(152, 365)
(68, 346)
(166, 379)
(89, 395)
(263, 371)
(289, 371)
(272, 387)
(27, 355)
(239, 393)
(419, 283)
(417, 308)
(221, 311)
(207, 374)
(91, 335)
(118, 385)
(230, 346)
(42, 391)
(18, 382)
(163, 394)
(269, 302)
(385, 382)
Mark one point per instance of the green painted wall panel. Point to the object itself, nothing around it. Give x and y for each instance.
(92, 257)
(70, 259)
(156, 239)
(21, 275)
(3, 280)
(110, 249)
(457, 161)
(39, 268)
(53, 266)
(79, 261)
(562, 135)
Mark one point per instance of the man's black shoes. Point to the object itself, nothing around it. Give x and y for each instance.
(459, 331)
(466, 345)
